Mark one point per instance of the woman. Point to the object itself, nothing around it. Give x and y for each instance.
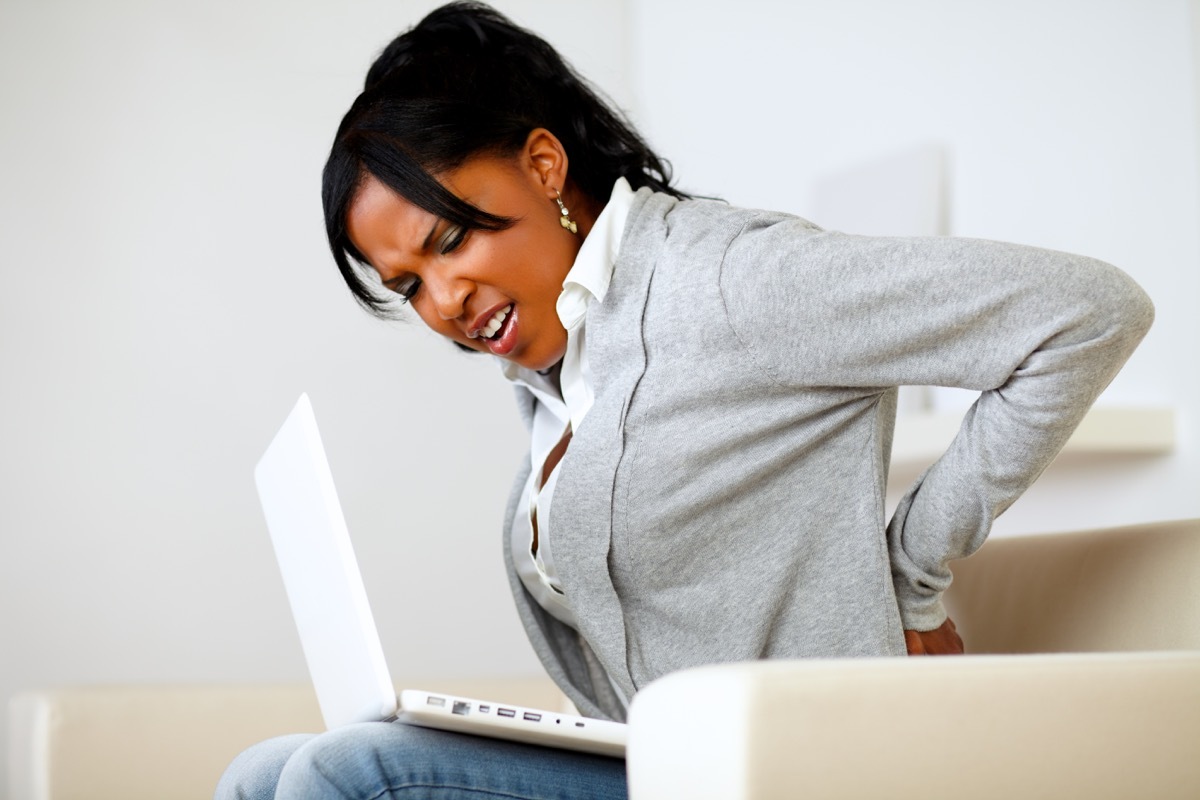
(710, 393)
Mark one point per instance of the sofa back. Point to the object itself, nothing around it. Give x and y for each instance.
(155, 742)
(1121, 589)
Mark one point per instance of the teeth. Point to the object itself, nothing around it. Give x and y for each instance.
(493, 325)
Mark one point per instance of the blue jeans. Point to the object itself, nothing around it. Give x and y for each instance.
(391, 760)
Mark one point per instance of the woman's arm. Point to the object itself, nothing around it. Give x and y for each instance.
(1037, 332)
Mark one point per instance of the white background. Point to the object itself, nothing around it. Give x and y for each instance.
(166, 293)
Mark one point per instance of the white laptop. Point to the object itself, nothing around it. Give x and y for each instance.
(337, 630)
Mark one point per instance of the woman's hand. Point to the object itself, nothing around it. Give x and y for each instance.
(942, 641)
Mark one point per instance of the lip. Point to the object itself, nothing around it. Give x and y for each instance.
(484, 318)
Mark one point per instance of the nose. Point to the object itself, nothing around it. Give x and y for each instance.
(449, 295)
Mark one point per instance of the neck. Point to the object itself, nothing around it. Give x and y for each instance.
(554, 373)
(584, 210)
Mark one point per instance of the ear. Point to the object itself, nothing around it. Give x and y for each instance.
(546, 160)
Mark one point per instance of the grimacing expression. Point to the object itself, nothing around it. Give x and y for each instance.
(493, 291)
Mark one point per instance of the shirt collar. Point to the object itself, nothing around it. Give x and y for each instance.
(590, 275)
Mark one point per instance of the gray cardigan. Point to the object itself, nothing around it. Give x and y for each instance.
(723, 500)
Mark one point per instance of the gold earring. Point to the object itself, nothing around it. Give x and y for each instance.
(565, 220)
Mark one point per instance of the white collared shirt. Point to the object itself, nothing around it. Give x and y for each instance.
(586, 283)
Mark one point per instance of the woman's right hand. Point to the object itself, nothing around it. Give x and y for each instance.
(941, 641)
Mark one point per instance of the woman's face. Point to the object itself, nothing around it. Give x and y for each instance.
(493, 291)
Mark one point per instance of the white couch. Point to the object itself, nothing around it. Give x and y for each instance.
(1084, 682)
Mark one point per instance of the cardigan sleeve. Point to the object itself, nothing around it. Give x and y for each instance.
(1038, 333)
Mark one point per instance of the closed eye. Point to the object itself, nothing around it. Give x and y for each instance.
(451, 239)
(406, 286)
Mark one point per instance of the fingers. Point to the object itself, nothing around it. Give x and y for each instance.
(914, 643)
(942, 641)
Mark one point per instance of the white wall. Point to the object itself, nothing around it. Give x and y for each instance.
(1069, 124)
(166, 293)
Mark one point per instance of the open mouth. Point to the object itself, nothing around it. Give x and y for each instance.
(500, 333)
(493, 327)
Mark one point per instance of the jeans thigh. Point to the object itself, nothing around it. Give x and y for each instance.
(254, 774)
(392, 760)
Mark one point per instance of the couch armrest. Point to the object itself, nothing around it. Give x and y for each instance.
(1078, 725)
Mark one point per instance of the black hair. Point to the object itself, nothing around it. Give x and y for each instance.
(467, 81)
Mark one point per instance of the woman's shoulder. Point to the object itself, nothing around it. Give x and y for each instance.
(704, 221)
